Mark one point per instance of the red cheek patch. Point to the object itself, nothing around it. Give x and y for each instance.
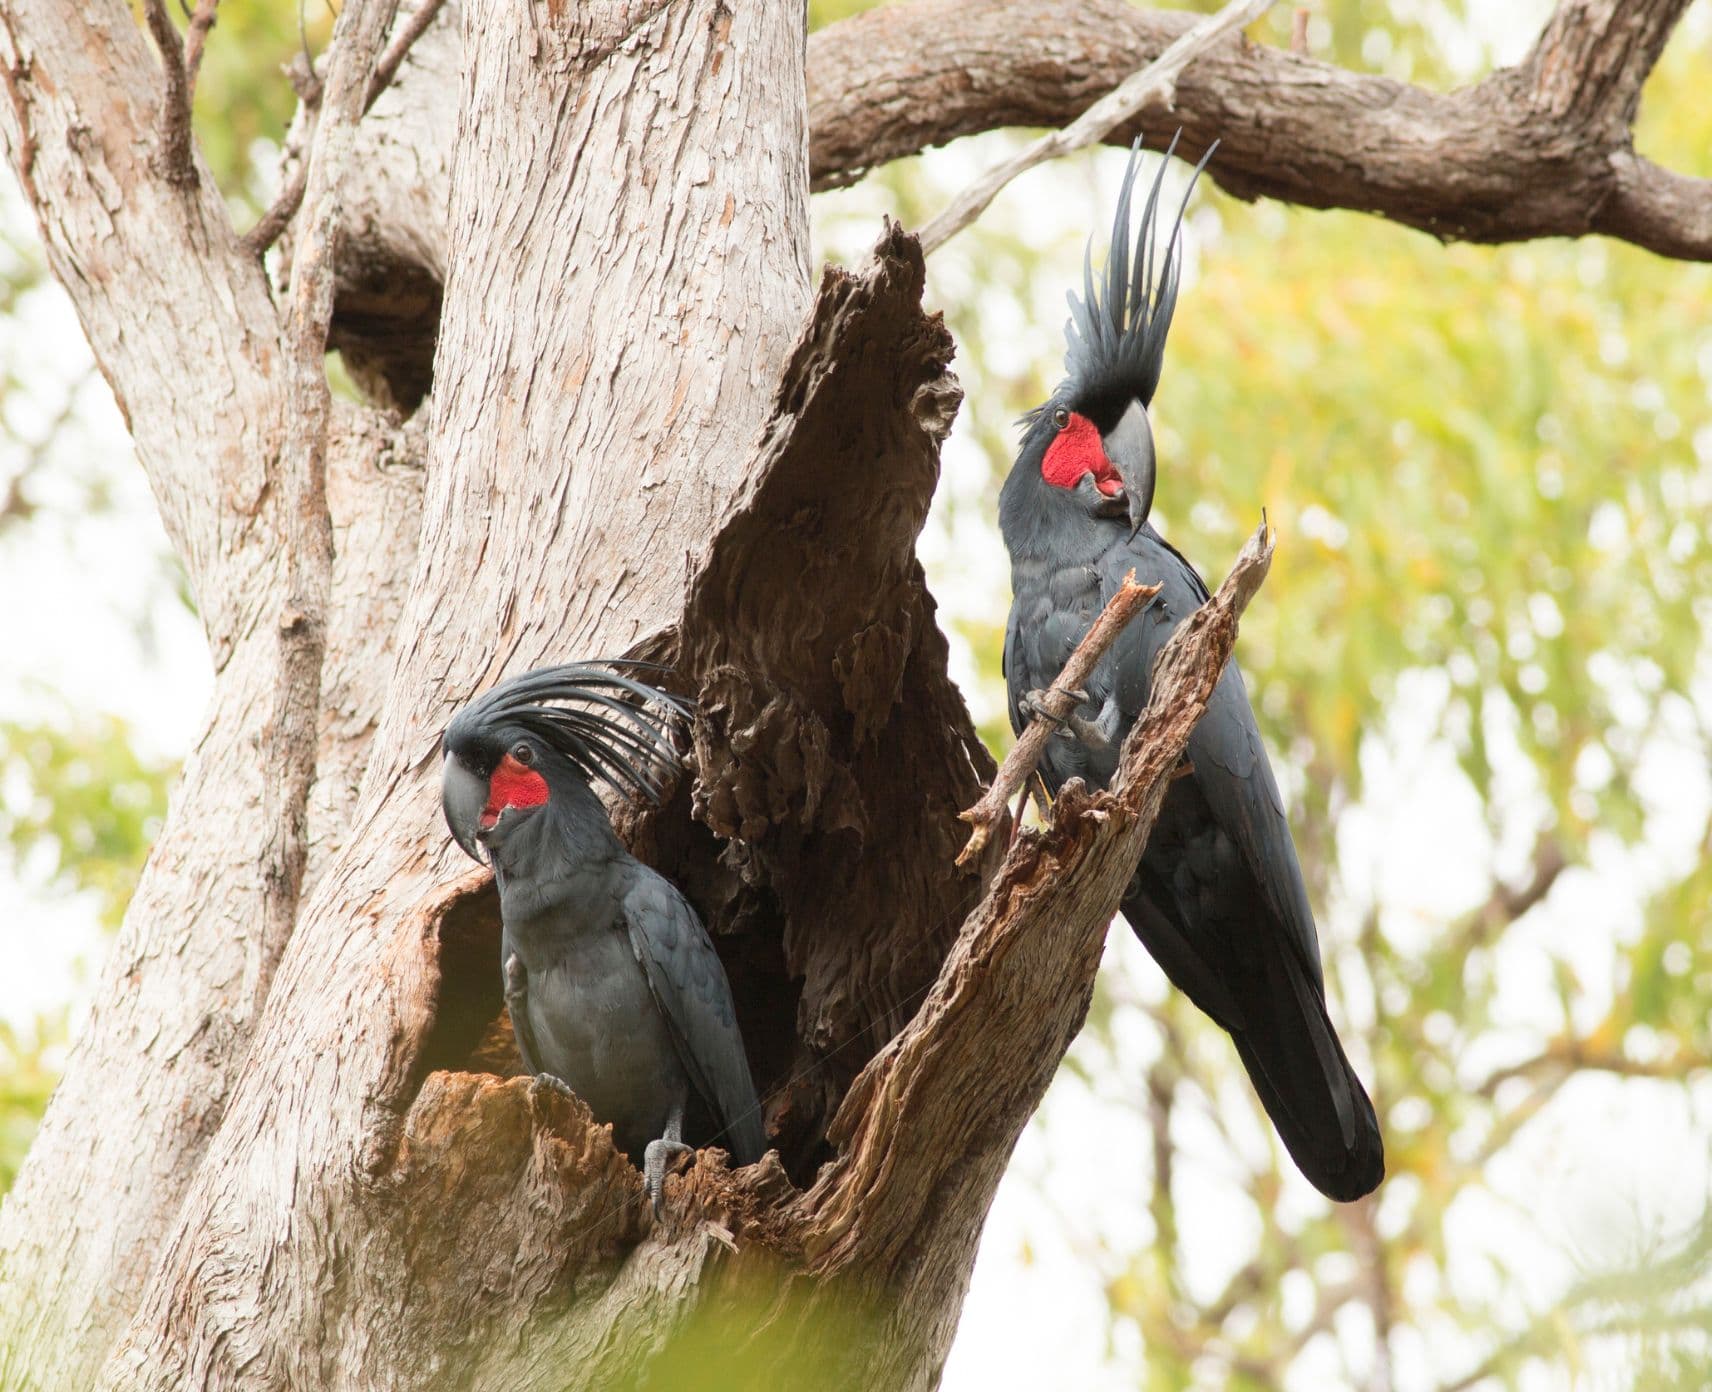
(1076, 450)
(512, 785)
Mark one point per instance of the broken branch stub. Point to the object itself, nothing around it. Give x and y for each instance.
(1056, 705)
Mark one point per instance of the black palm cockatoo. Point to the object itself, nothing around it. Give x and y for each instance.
(613, 985)
(1217, 898)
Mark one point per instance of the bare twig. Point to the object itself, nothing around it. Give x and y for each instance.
(201, 21)
(1157, 81)
(1299, 31)
(386, 67)
(174, 157)
(279, 214)
(1058, 702)
(278, 217)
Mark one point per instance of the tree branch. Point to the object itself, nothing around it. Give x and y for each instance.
(926, 1130)
(1058, 702)
(1508, 903)
(1487, 164)
(292, 740)
(1156, 83)
(195, 43)
(386, 67)
(1539, 150)
(280, 212)
(175, 156)
(1593, 57)
(1564, 1056)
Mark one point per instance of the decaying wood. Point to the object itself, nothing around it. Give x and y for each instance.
(831, 750)
(1154, 85)
(1055, 705)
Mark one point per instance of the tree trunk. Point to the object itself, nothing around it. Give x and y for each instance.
(288, 1150)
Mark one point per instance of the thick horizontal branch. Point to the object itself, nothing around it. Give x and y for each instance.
(1154, 84)
(1539, 150)
(928, 1127)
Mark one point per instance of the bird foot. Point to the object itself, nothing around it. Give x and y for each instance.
(552, 1084)
(1033, 703)
(1086, 731)
(655, 1161)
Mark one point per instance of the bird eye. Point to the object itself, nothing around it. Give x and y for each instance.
(524, 755)
(1061, 417)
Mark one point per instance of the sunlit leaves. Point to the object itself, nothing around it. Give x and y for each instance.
(79, 807)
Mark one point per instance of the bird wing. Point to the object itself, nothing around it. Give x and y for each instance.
(1010, 667)
(521, 1031)
(689, 986)
(1231, 769)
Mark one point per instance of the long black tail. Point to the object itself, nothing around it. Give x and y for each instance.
(1277, 1018)
(1298, 1067)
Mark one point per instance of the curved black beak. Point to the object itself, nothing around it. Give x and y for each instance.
(1129, 445)
(462, 798)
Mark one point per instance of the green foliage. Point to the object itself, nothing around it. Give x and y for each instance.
(753, 1336)
(80, 807)
(28, 1072)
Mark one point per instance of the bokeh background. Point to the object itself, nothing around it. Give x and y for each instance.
(1480, 663)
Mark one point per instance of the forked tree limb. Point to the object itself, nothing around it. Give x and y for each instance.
(1059, 700)
(277, 218)
(1154, 84)
(926, 1130)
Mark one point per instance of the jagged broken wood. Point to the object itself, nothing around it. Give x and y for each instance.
(1057, 703)
(926, 1130)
